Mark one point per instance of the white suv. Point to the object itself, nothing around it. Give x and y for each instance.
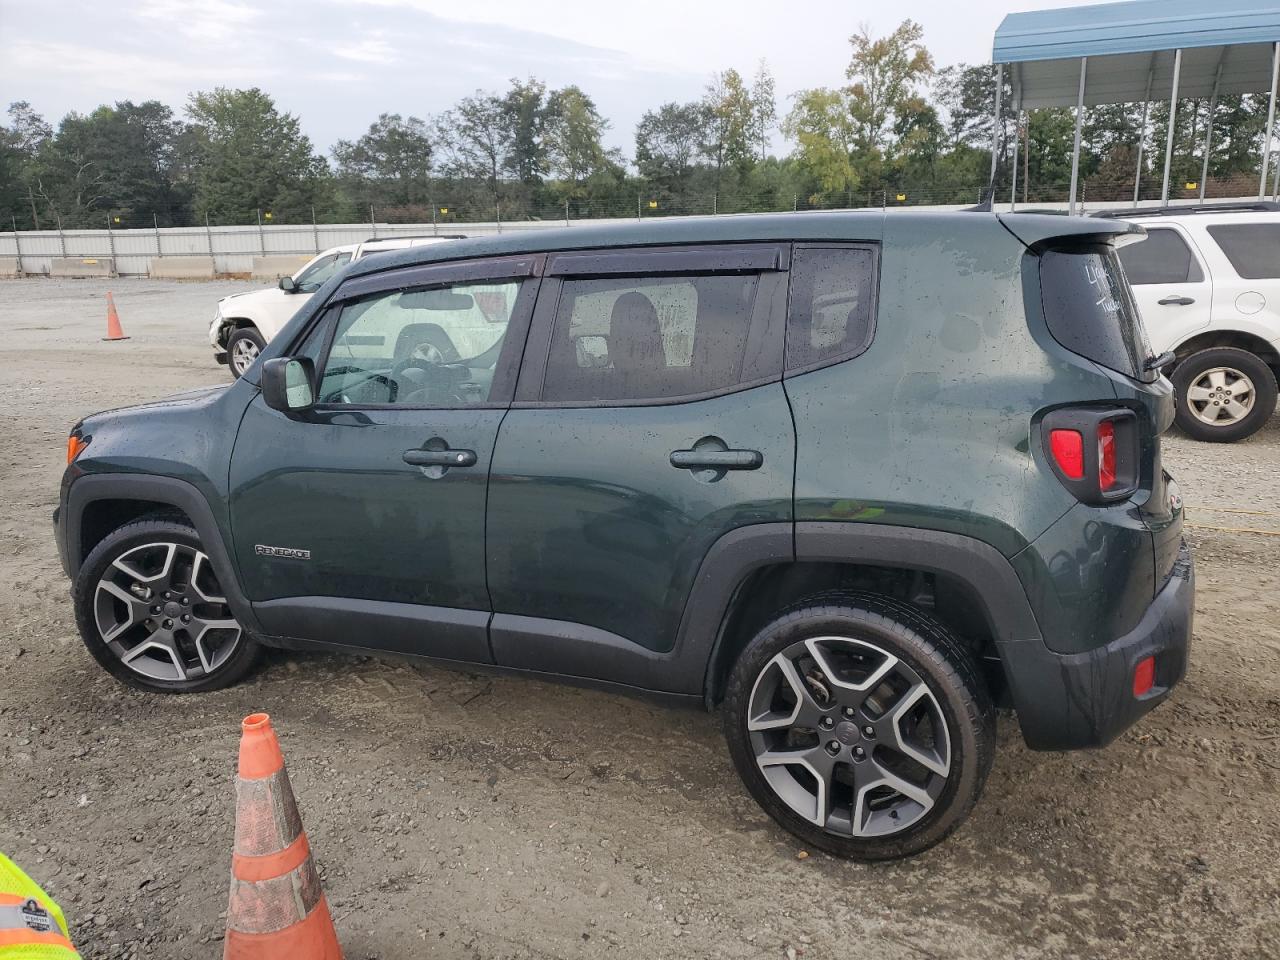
(1207, 282)
(244, 322)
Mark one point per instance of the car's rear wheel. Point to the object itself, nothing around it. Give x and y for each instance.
(860, 725)
(152, 612)
(1223, 394)
(243, 347)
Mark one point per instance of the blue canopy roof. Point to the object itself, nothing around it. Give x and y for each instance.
(1132, 44)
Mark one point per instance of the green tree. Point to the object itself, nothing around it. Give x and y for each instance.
(21, 143)
(731, 132)
(573, 139)
(884, 74)
(525, 114)
(389, 165)
(475, 135)
(826, 138)
(253, 157)
(764, 107)
(669, 142)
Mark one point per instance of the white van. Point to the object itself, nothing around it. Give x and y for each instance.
(244, 322)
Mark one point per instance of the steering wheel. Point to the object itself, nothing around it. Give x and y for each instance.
(423, 355)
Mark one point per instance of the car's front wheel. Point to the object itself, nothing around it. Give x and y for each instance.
(243, 347)
(152, 612)
(860, 725)
(1223, 394)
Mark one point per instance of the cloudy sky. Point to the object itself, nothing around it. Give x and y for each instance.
(337, 64)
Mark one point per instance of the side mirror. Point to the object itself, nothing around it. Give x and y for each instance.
(289, 285)
(288, 384)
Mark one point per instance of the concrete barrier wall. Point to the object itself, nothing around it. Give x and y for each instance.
(8, 266)
(82, 267)
(182, 268)
(275, 266)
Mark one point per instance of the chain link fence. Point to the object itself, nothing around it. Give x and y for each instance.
(130, 243)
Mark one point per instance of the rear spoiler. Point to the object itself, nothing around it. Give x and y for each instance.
(1039, 230)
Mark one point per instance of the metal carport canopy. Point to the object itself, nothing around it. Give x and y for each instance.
(1124, 52)
(1132, 41)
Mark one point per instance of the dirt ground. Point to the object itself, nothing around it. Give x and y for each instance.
(460, 816)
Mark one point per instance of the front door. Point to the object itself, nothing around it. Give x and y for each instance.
(1172, 288)
(361, 520)
(650, 421)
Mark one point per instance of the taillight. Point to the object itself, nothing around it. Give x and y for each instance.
(1067, 447)
(1094, 451)
(1106, 456)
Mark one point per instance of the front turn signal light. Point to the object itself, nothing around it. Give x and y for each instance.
(75, 446)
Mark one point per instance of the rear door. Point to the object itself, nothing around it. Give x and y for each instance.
(1173, 289)
(649, 421)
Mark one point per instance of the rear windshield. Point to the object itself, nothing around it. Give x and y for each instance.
(1090, 309)
(1252, 248)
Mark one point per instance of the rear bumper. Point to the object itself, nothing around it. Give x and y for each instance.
(1069, 701)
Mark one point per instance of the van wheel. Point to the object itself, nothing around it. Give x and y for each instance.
(243, 347)
(1223, 394)
(860, 725)
(152, 612)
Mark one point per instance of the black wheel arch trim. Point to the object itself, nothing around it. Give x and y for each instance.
(169, 491)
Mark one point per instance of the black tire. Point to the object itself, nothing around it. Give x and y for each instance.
(1198, 365)
(231, 660)
(246, 339)
(938, 660)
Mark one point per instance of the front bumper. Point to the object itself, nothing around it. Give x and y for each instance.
(1069, 701)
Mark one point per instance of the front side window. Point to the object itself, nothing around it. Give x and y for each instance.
(831, 312)
(1252, 248)
(435, 347)
(628, 338)
(1163, 257)
(314, 277)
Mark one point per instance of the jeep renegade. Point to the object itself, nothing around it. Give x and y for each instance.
(856, 479)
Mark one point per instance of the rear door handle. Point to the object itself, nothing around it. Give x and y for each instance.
(717, 459)
(1176, 302)
(440, 458)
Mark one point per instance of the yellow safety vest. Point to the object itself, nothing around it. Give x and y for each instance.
(32, 926)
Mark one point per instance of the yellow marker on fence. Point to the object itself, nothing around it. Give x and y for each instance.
(1192, 185)
(901, 197)
(653, 204)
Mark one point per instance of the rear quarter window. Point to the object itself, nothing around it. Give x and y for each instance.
(1163, 257)
(1252, 248)
(1090, 310)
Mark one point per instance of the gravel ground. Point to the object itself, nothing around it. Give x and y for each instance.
(460, 816)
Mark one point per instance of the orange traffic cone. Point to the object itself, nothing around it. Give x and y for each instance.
(277, 908)
(114, 332)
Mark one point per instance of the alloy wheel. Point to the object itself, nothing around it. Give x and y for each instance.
(849, 736)
(1221, 396)
(160, 610)
(243, 352)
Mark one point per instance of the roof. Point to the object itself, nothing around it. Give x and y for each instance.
(864, 225)
(1128, 42)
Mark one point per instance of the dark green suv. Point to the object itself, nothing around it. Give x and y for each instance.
(857, 479)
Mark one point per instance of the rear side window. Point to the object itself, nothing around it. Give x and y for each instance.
(831, 305)
(1163, 257)
(1090, 310)
(1252, 248)
(632, 338)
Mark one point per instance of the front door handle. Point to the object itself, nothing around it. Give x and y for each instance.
(717, 459)
(440, 458)
(1176, 302)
